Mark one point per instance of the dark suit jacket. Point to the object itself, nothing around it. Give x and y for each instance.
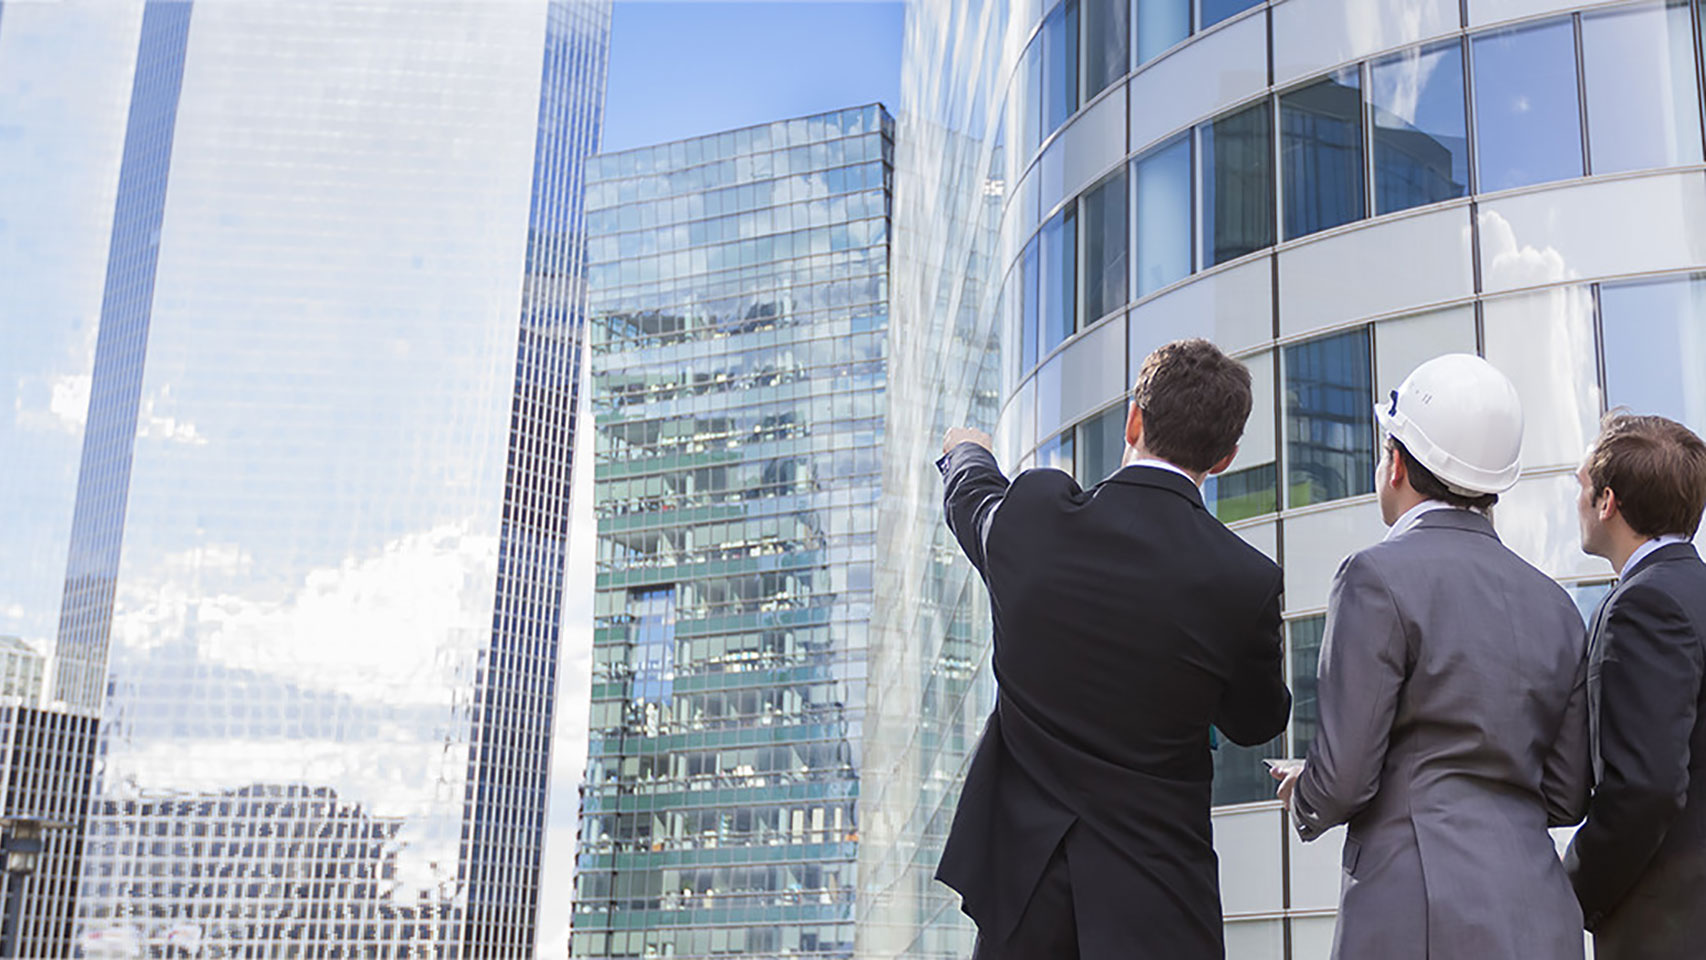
(1127, 621)
(1639, 862)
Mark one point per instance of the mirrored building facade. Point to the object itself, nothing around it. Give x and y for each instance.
(310, 307)
(739, 310)
(1333, 191)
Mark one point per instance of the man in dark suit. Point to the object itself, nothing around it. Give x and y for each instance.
(1639, 862)
(1127, 621)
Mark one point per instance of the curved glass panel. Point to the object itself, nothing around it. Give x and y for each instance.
(1237, 184)
(1421, 142)
(1305, 643)
(1105, 232)
(1527, 111)
(1545, 343)
(1060, 66)
(1214, 11)
(1030, 306)
(1654, 334)
(1321, 154)
(1107, 43)
(1251, 487)
(1162, 180)
(1058, 244)
(1160, 25)
(1643, 101)
(1329, 415)
(1101, 444)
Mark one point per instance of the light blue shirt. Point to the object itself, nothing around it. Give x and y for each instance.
(1644, 549)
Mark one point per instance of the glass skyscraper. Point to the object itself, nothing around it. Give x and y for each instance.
(739, 305)
(295, 363)
(1332, 190)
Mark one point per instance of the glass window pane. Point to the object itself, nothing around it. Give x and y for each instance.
(1545, 343)
(1105, 233)
(1214, 11)
(1160, 25)
(1643, 100)
(1056, 453)
(1060, 66)
(1655, 347)
(1240, 776)
(1251, 487)
(1059, 255)
(1321, 141)
(1527, 112)
(1329, 419)
(1163, 188)
(1238, 184)
(1421, 147)
(1101, 444)
(1030, 306)
(1029, 107)
(1107, 46)
(1306, 636)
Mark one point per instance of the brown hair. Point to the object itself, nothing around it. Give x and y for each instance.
(1195, 400)
(1657, 467)
(1423, 481)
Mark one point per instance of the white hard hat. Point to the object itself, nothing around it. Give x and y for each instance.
(1461, 418)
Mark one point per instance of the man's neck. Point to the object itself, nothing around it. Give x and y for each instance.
(1623, 548)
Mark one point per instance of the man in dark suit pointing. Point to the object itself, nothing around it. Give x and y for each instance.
(1128, 620)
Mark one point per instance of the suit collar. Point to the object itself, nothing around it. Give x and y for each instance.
(1162, 479)
(1470, 521)
(1668, 552)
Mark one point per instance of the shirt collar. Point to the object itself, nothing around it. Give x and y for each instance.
(1414, 514)
(1164, 465)
(1642, 551)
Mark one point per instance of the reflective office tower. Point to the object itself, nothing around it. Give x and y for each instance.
(295, 364)
(739, 303)
(1334, 191)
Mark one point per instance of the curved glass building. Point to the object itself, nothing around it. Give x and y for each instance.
(1333, 191)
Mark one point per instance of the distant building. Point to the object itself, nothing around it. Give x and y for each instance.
(739, 310)
(21, 669)
(304, 487)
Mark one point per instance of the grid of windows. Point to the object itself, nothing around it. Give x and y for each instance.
(341, 480)
(739, 311)
(1369, 139)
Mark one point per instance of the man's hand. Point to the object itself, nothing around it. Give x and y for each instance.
(958, 435)
(1286, 772)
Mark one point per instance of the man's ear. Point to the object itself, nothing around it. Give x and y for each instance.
(1133, 424)
(1224, 463)
(1397, 474)
(1606, 506)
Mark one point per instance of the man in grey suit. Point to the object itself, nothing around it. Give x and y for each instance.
(1453, 704)
(1639, 863)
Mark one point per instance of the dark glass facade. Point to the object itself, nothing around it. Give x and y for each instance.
(740, 321)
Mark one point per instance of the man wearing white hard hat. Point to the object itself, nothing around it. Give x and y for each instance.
(1452, 694)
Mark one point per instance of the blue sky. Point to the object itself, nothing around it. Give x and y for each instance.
(682, 69)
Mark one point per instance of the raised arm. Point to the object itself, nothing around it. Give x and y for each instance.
(1364, 659)
(1256, 705)
(1649, 686)
(972, 488)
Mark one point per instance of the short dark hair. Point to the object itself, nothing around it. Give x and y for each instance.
(1657, 467)
(1195, 400)
(1423, 481)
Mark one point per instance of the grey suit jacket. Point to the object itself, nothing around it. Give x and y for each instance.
(1453, 733)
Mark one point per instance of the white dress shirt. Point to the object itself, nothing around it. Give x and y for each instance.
(1164, 465)
(1415, 513)
(1648, 547)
